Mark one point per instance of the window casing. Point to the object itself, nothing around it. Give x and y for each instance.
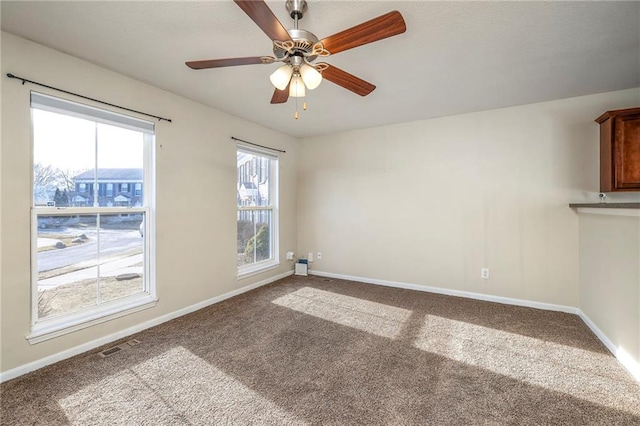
(257, 210)
(92, 257)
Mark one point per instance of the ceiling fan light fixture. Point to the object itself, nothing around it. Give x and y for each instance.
(296, 88)
(280, 77)
(311, 77)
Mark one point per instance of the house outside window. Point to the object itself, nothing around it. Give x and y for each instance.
(108, 179)
(91, 260)
(257, 206)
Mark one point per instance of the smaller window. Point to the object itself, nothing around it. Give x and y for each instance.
(82, 187)
(109, 189)
(138, 189)
(124, 187)
(257, 247)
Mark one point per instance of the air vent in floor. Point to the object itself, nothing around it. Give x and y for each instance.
(110, 351)
(120, 347)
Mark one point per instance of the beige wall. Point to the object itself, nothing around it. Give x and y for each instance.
(196, 173)
(610, 279)
(432, 202)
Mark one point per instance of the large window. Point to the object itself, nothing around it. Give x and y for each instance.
(257, 210)
(91, 245)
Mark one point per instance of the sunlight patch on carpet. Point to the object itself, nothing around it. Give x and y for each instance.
(176, 387)
(375, 318)
(554, 366)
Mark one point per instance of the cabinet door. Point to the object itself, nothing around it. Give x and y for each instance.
(627, 151)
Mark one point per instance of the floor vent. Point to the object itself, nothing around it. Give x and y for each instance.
(110, 351)
(121, 347)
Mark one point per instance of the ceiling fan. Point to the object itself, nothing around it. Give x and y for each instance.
(298, 49)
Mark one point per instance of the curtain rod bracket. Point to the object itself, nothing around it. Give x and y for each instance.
(24, 80)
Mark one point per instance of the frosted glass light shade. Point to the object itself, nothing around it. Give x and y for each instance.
(296, 88)
(280, 77)
(311, 77)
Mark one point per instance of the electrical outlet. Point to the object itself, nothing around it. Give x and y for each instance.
(319, 256)
(484, 273)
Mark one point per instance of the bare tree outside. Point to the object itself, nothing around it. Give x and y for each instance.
(47, 179)
(66, 178)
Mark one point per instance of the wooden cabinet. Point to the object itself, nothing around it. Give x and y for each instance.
(620, 150)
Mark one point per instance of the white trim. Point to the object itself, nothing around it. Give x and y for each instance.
(43, 362)
(255, 208)
(247, 271)
(86, 211)
(627, 361)
(449, 292)
(63, 106)
(50, 329)
(610, 211)
(257, 150)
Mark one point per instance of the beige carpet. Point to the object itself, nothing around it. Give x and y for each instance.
(309, 350)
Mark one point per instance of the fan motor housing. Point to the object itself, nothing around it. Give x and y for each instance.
(303, 43)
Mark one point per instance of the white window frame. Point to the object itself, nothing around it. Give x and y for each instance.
(272, 263)
(49, 328)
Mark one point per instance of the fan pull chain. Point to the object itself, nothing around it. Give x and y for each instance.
(296, 113)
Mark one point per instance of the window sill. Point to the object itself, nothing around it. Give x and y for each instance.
(56, 327)
(248, 271)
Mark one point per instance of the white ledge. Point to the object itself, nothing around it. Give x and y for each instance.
(610, 212)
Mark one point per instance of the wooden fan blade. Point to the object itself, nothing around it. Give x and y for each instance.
(376, 29)
(260, 13)
(348, 81)
(280, 96)
(219, 63)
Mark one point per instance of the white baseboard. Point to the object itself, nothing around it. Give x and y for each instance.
(625, 359)
(27, 368)
(449, 292)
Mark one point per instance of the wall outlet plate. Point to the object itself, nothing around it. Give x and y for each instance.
(484, 273)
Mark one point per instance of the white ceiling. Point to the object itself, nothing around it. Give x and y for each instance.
(455, 57)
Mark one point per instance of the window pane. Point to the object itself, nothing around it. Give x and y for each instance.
(67, 264)
(63, 147)
(120, 162)
(81, 264)
(121, 256)
(254, 236)
(253, 186)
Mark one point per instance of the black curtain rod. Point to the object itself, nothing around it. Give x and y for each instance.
(255, 144)
(24, 80)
